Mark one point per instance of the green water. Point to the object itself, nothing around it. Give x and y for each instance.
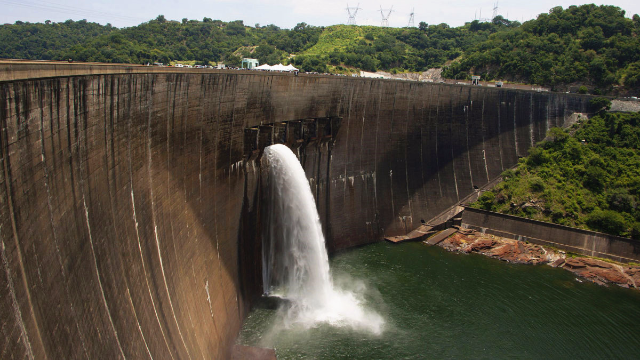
(441, 305)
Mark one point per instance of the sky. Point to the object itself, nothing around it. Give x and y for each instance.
(282, 13)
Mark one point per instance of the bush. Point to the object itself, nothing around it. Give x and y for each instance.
(557, 135)
(607, 221)
(599, 103)
(536, 184)
(556, 213)
(621, 200)
(507, 174)
(595, 179)
(635, 231)
(486, 200)
(537, 157)
(582, 90)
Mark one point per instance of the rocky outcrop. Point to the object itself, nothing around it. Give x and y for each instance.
(598, 271)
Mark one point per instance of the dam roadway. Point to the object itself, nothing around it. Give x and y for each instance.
(130, 198)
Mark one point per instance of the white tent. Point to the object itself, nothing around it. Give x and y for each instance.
(279, 67)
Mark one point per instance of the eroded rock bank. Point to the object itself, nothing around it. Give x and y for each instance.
(598, 271)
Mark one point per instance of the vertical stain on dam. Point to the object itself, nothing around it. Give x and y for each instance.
(130, 203)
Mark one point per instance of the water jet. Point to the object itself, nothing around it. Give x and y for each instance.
(295, 261)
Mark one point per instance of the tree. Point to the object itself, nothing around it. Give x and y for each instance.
(599, 104)
(235, 28)
(423, 26)
(161, 19)
(557, 135)
(537, 156)
(556, 10)
(607, 221)
(500, 20)
(300, 26)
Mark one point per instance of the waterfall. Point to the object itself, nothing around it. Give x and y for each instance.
(295, 260)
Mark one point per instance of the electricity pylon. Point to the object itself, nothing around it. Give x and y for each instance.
(385, 19)
(411, 24)
(352, 11)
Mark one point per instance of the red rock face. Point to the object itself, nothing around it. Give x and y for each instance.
(611, 275)
(453, 243)
(481, 245)
(575, 263)
(634, 273)
(598, 271)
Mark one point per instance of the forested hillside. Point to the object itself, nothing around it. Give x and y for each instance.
(595, 45)
(312, 48)
(48, 41)
(372, 48)
(158, 40)
(590, 179)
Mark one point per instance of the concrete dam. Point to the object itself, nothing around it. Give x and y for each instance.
(130, 197)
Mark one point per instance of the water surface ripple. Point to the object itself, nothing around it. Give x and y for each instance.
(440, 305)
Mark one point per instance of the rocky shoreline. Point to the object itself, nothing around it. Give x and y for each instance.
(595, 270)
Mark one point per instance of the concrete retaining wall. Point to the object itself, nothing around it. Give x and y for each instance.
(563, 237)
(130, 212)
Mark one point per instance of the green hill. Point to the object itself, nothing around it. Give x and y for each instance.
(593, 45)
(46, 41)
(590, 179)
(374, 48)
(312, 48)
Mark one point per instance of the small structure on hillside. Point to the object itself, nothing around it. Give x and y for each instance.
(250, 63)
(475, 80)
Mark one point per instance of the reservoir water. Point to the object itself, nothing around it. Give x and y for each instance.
(441, 305)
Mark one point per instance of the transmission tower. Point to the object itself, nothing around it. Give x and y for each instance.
(481, 19)
(385, 19)
(495, 10)
(411, 24)
(352, 11)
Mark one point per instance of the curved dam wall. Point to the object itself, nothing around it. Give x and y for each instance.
(130, 203)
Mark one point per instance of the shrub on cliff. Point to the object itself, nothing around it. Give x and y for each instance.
(485, 201)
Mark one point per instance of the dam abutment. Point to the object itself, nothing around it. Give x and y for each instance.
(130, 201)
